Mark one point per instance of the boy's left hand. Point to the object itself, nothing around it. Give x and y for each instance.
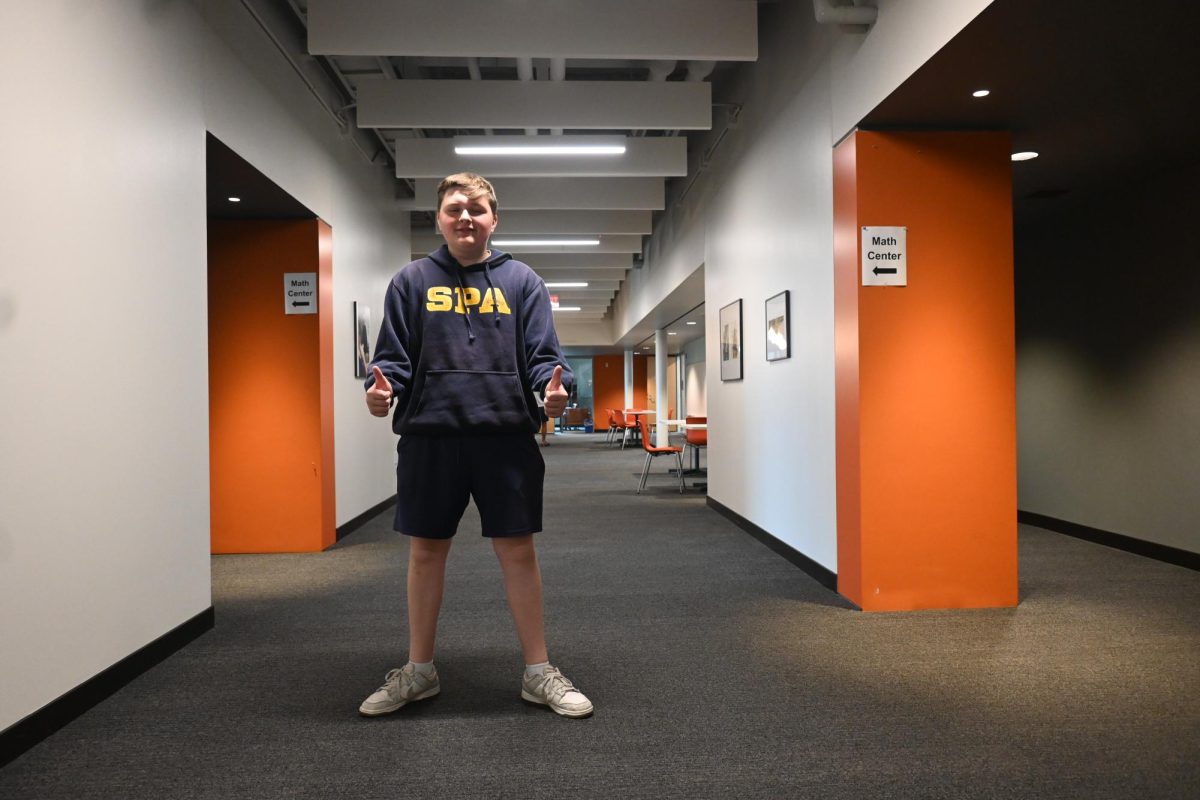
(554, 402)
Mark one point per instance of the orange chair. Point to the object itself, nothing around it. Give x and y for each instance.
(652, 451)
(697, 439)
(616, 423)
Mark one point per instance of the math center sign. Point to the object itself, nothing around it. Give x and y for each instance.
(300, 292)
(884, 256)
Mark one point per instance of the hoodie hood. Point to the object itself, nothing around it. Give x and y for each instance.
(443, 259)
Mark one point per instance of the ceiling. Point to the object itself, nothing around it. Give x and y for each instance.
(230, 176)
(418, 78)
(1104, 92)
(1107, 93)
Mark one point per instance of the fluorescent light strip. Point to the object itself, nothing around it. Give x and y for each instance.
(540, 150)
(545, 242)
(568, 308)
(1024, 155)
(567, 285)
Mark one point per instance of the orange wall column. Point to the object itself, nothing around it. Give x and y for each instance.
(270, 389)
(608, 385)
(926, 375)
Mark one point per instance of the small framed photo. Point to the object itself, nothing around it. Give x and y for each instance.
(779, 336)
(731, 341)
(362, 339)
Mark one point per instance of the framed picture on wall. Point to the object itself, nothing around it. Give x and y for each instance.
(362, 339)
(731, 341)
(778, 327)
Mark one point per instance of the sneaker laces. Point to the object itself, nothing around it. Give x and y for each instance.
(392, 676)
(555, 685)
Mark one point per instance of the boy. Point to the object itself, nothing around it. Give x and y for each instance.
(466, 347)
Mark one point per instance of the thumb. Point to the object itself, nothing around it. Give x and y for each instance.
(381, 383)
(555, 379)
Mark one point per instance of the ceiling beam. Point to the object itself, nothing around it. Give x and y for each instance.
(580, 274)
(650, 157)
(521, 194)
(591, 105)
(572, 261)
(706, 30)
(571, 222)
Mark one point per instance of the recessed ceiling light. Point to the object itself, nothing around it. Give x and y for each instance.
(981, 93)
(691, 323)
(566, 285)
(1024, 155)
(672, 333)
(235, 199)
(545, 242)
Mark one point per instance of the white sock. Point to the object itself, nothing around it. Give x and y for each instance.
(536, 669)
(424, 669)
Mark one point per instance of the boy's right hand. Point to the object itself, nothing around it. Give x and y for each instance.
(379, 396)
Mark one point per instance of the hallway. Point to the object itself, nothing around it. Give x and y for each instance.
(718, 669)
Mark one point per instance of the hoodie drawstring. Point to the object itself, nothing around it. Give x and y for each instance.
(487, 276)
(462, 298)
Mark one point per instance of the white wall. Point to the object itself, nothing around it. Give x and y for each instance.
(280, 128)
(695, 387)
(104, 536)
(760, 220)
(1108, 362)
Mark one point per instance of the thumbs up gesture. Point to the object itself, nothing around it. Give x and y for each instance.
(555, 400)
(379, 396)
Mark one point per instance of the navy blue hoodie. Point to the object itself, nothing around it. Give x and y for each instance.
(467, 349)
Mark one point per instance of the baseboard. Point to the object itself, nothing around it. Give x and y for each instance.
(23, 735)
(350, 527)
(820, 574)
(1159, 552)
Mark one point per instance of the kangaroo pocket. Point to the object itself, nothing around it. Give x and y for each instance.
(456, 399)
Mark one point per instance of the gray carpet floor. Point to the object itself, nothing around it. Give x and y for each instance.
(717, 668)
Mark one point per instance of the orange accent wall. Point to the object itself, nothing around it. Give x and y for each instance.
(926, 375)
(270, 389)
(608, 385)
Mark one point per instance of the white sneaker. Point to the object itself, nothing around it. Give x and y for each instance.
(400, 687)
(552, 688)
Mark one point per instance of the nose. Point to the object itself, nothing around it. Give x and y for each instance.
(463, 215)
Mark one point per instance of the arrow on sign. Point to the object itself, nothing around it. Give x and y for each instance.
(306, 303)
(884, 270)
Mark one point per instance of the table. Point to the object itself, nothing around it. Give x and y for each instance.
(691, 426)
(637, 413)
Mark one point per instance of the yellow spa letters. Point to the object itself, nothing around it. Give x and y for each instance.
(447, 298)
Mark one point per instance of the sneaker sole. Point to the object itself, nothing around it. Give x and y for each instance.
(389, 709)
(528, 698)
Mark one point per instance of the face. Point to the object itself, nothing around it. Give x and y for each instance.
(466, 223)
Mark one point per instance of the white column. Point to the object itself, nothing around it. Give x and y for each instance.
(681, 385)
(661, 398)
(628, 379)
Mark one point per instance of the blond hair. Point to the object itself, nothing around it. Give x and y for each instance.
(472, 185)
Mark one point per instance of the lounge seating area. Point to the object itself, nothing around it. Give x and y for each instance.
(625, 426)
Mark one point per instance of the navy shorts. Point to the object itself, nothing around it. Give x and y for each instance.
(435, 476)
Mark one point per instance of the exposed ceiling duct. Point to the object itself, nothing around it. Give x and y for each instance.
(558, 72)
(525, 73)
